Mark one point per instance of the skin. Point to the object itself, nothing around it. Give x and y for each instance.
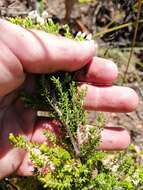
(28, 52)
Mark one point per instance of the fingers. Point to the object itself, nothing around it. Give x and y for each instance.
(114, 138)
(111, 99)
(40, 52)
(26, 168)
(44, 53)
(10, 162)
(46, 124)
(11, 71)
(111, 139)
(10, 157)
(100, 72)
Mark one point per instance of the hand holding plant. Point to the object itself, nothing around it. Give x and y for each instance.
(28, 53)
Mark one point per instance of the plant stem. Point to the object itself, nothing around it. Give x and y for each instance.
(64, 124)
(99, 34)
(73, 141)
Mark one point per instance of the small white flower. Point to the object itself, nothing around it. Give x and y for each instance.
(83, 133)
(40, 20)
(135, 182)
(45, 15)
(114, 168)
(36, 151)
(83, 35)
(89, 37)
(78, 34)
(109, 160)
(33, 15)
(52, 167)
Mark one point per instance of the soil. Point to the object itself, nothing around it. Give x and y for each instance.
(93, 18)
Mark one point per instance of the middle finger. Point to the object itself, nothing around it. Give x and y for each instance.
(100, 72)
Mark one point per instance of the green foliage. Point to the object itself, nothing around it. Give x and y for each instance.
(92, 137)
(28, 23)
(49, 26)
(86, 1)
(74, 163)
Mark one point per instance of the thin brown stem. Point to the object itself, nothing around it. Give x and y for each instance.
(64, 124)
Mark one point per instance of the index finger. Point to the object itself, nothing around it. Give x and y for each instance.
(40, 52)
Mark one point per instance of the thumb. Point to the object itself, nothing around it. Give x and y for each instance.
(11, 71)
(40, 52)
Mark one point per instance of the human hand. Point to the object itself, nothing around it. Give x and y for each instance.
(28, 52)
